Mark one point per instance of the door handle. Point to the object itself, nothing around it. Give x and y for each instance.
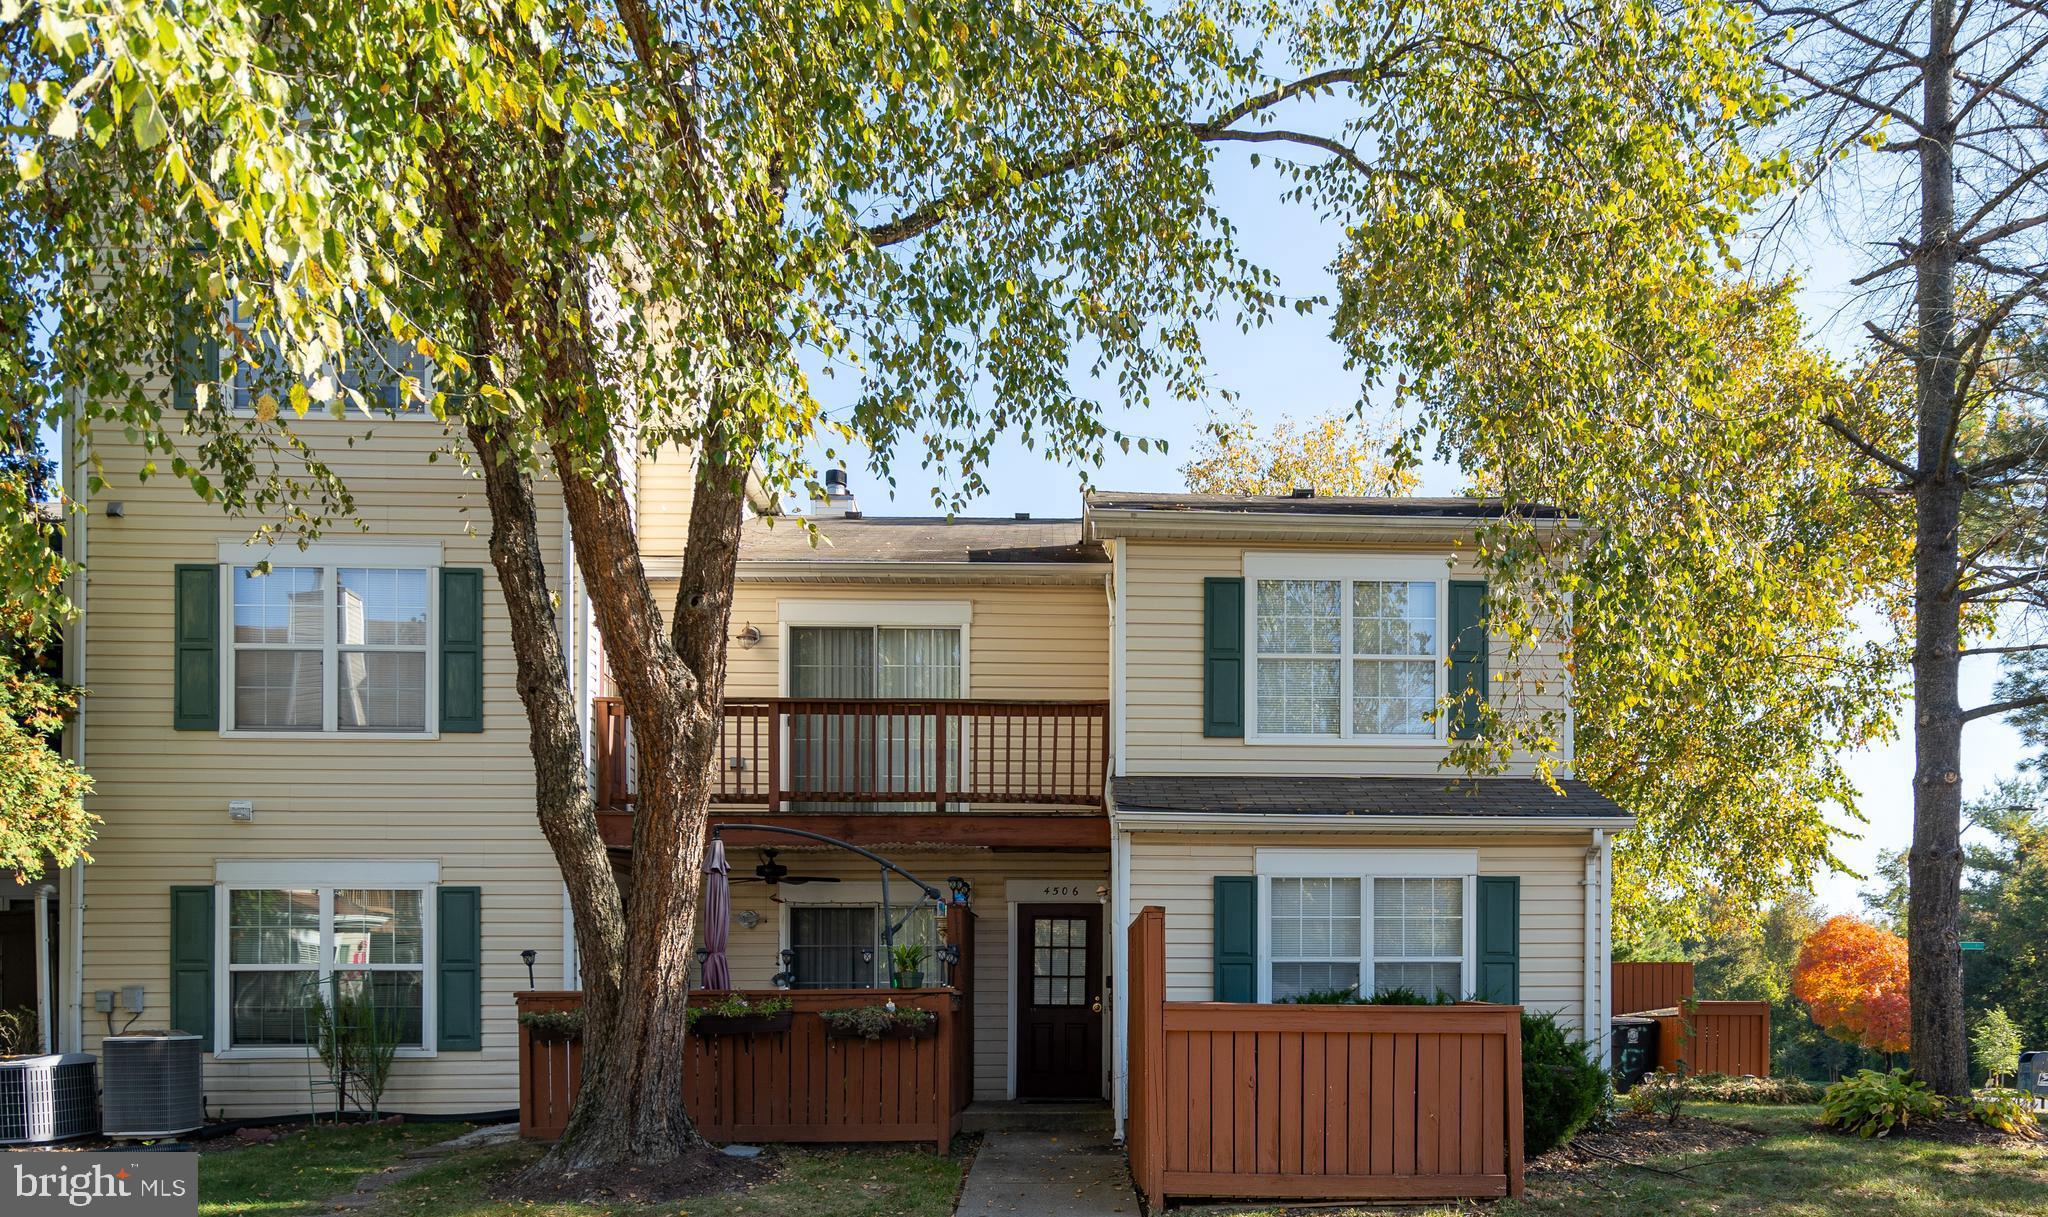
(1095, 1007)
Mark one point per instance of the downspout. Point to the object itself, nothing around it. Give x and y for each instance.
(1120, 943)
(44, 1019)
(77, 488)
(577, 653)
(1590, 952)
(1606, 968)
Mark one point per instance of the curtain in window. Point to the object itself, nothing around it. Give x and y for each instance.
(825, 947)
(881, 755)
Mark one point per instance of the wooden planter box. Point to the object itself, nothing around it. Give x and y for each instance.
(895, 1031)
(741, 1024)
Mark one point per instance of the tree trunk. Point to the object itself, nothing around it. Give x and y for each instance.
(1933, 917)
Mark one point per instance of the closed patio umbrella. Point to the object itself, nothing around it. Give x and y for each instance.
(717, 916)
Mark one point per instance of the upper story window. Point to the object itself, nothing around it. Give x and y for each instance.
(1345, 649)
(339, 641)
(390, 375)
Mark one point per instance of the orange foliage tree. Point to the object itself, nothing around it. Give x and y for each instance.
(1852, 976)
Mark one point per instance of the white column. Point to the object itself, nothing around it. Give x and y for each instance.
(1120, 941)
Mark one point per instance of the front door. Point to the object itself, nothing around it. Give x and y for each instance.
(1059, 1001)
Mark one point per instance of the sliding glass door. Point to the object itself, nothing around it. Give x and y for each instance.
(869, 752)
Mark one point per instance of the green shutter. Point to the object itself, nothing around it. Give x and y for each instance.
(1223, 658)
(195, 697)
(462, 649)
(192, 962)
(1500, 939)
(459, 958)
(1237, 938)
(1468, 655)
(198, 358)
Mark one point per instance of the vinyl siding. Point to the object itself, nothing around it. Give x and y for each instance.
(464, 800)
(754, 953)
(1175, 871)
(667, 481)
(1162, 600)
(1034, 642)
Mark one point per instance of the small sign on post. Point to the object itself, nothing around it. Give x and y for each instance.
(1972, 946)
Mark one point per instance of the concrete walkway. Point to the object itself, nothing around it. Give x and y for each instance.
(1039, 1174)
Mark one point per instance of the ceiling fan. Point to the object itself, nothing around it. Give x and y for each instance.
(774, 873)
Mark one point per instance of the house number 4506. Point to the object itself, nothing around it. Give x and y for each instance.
(1062, 889)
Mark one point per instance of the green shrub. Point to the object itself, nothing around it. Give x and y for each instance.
(1409, 997)
(1873, 1104)
(735, 1005)
(1325, 997)
(2007, 1111)
(1658, 1089)
(1562, 1086)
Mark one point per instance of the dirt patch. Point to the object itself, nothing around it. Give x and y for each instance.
(1633, 1140)
(703, 1172)
(1961, 1130)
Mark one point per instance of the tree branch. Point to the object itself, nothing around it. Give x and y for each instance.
(921, 220)
(2005, 707)
(1855, 440)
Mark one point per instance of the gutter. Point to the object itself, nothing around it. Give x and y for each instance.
(801, 570)
(1160, 820)
(1105, 522)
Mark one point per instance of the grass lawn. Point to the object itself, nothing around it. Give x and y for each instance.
(297, 1172)
(1795, 1171)
(805, 1183)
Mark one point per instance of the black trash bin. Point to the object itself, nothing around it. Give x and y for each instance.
(1635, 1050)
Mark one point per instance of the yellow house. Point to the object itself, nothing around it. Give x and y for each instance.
(1219, 706)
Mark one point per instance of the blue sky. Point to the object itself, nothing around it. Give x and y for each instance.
(1291, 366)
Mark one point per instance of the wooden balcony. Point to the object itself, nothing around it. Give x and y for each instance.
(836, 764)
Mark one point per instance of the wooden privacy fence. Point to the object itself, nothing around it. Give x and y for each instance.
(1242, 1101)
(793, 1084)
(1732, 1037)
(1650, 986)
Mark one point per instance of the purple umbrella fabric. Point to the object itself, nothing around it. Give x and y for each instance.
(717, 916)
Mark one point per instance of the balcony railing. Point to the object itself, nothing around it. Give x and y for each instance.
(878, 754)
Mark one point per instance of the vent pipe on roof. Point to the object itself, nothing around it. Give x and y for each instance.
(1023, 515)
(837, 501)
(1302, 492)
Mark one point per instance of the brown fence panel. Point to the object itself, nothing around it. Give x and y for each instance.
(792, 1085)
(1650, 986)
(1265, 1102)
(1731, 1037)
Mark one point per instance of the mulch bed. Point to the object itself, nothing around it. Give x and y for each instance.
(703, 1172)
(1961, 1130)
(1632, 1140)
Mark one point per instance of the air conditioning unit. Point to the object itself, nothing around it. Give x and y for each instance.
(47, 1098)
(155, 1085)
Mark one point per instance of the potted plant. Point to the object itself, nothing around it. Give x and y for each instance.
(907, 959)
(554, 1026)
(735, 1015)
(884, 1022)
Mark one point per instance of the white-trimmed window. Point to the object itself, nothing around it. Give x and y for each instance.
(1367, 921)
(335, 639)
(294, 933)
(392, 376)
(840, 946)
(1345, 649)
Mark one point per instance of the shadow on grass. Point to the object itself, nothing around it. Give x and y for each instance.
(804, 1183)
(301, 1170)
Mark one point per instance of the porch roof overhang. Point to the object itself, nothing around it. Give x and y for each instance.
(1236, 803)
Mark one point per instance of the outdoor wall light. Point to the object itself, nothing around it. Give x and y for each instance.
(747, 918)
(867, 954)
(529, 955)
(749, 636)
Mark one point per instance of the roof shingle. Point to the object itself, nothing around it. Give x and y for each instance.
(1430, 796)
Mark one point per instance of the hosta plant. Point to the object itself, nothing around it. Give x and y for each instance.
(1873, 1104)
(2010, 1111)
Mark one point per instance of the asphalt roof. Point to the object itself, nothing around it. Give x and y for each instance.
(1429, 796)
(1453, 507)
(919, 539)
